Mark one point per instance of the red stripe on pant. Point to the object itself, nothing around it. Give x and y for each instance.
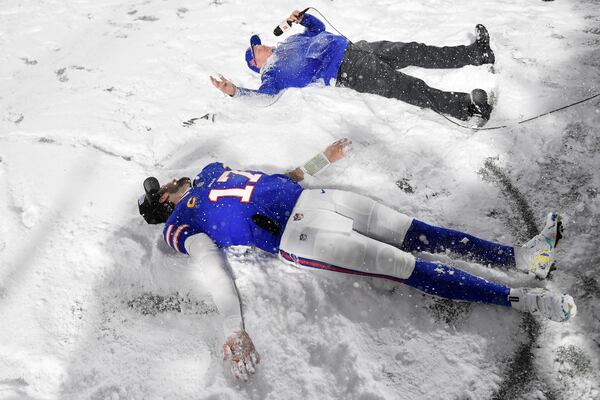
(306, 262)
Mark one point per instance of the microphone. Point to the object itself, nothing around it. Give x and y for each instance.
(284, 26)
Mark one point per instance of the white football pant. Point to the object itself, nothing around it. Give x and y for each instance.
(346, 232)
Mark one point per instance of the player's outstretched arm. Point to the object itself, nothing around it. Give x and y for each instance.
(241, 355)
(224, 85)
(333, 153)
(215, 273)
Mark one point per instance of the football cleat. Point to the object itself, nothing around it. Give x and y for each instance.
(536, 301)
(536, 257)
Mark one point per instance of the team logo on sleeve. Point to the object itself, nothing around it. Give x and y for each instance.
(175, 236)
(191, 203)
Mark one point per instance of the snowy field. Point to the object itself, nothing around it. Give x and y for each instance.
(92, 99)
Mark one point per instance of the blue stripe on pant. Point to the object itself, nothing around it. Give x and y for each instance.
(424, 237)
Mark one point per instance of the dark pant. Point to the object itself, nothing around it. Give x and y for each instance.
(372, 68)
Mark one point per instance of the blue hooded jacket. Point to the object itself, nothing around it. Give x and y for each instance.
(302, 59)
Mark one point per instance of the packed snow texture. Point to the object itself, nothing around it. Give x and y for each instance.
(93, 95)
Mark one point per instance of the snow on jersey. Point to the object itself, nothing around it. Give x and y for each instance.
(222, 203)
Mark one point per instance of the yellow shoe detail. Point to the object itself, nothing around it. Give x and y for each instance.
(541, 261)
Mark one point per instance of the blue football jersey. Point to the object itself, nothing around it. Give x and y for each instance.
(223, 203)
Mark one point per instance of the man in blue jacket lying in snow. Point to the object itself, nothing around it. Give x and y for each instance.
(368, 67)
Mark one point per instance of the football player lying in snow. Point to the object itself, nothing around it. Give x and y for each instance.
(332, 230)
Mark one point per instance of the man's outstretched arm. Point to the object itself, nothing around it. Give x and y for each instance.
(334, 152)
(216, 276)
(268, 88)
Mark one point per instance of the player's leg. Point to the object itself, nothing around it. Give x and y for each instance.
(385, 224)
(435, 239)
(325, 240)
(369, 217)
(400, 55)
(453, 283)
(535, 257)
(367, 73)
(381, 222)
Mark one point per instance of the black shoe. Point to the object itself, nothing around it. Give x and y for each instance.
(480, 108)
(482, 42)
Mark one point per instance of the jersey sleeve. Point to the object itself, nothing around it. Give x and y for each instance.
(312, 24)
(269, 87)
(176, 235)
(217, 277)
(283, 176)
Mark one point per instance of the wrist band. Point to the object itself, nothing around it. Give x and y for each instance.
(315, 164)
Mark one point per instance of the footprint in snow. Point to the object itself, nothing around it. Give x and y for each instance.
(404, 185)
(14, 117)
(595, 31)
(181, 11)
(27, 61)
(61, 74)
(148, 18)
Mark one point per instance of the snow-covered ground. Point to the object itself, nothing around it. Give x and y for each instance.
(92, 99)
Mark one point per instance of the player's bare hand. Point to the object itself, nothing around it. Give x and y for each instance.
(223, 85)
(240, 353)
(337, 150)
(296, 17)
